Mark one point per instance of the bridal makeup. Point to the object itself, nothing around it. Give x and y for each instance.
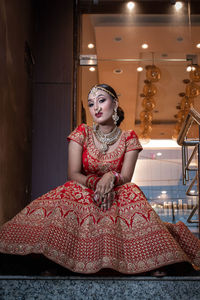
(101, 106)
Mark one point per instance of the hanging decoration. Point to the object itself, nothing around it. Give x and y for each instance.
(192, 90)
(153, 74)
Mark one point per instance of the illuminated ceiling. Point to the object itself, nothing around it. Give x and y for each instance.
(118, 37)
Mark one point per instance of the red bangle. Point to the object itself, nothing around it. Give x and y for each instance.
(91, 181)
(117, 177)
(88, 180)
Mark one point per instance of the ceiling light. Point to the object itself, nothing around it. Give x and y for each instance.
(118, 39)
(130, 5)
(90, 46)
(92, 69)
(140, 69)
(198, 45)
(117, 71)
(178, 5)
(179, 39)
(190, 68)
(159, 154)
(192, 191)
(145, 46)
(163, 192)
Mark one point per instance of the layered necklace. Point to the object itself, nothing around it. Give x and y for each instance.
(107, 139)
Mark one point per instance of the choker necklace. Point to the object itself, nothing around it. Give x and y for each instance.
(107, 139)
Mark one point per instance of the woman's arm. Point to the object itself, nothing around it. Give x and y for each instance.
(105, 185)
(75, 162)
(130, 159)
(128, 166)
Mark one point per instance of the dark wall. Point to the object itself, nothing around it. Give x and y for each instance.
(35, 100)
(16, 27)
(52, 93)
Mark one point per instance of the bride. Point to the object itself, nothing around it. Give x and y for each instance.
(99, 219)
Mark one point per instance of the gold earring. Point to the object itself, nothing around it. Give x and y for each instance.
(115, 116)
(94, 126)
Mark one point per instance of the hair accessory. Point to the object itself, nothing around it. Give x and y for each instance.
(96, 88)
(115, 116)
(93, 91)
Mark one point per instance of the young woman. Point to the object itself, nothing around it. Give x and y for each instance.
(99, 219)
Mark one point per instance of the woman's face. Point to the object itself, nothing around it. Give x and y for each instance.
(101, 106)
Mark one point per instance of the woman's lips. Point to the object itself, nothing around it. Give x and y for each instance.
(98, 115)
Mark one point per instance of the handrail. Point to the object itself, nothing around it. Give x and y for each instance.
(193, 115)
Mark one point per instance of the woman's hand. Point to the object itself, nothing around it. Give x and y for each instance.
(105, 202)
(104, 194)
(105, 184)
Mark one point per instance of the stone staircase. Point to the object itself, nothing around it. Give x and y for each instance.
(89, 287)
(20, 279)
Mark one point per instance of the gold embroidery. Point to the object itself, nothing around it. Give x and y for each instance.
(133, 143)
(67, 227)
(77, 135)
(74, 232)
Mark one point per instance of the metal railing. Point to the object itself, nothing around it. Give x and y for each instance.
(192, 118)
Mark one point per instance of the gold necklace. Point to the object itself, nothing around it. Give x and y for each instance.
(107, 139)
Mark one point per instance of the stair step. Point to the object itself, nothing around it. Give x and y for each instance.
(88, 287)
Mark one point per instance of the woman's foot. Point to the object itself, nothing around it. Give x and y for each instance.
(49, 272)
(159, 273)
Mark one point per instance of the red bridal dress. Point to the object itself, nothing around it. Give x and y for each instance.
(68, 228)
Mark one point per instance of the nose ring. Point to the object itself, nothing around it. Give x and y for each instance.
(98, 110)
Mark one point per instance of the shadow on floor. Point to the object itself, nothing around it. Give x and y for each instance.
(38, 265)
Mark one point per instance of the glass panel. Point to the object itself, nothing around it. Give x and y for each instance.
(159, 174)
(172, 46)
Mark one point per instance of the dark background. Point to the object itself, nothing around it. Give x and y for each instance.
(36, 63)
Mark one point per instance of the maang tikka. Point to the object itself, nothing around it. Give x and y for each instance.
(115, 116)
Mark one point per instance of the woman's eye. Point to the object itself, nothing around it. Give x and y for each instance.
(102, 100)
(90, 104)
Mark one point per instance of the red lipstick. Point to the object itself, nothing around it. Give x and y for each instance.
(98, 115)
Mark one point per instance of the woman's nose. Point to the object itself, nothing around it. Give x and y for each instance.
(96, 107)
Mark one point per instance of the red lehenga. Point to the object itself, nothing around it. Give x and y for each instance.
(69, 229)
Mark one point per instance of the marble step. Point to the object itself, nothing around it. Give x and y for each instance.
(95, 288)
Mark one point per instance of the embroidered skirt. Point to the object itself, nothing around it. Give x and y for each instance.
(69, 229)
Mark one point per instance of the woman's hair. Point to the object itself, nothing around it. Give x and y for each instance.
(120, 114)
(108, 89)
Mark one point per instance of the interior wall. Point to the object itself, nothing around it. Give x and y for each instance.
(52, 94)
(16, 19)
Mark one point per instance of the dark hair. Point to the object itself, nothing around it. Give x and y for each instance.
(120, 113)
(109, 89)
(114, 96)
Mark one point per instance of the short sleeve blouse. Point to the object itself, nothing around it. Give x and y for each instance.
(132, 141)
(78, 135)
(94, 161)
